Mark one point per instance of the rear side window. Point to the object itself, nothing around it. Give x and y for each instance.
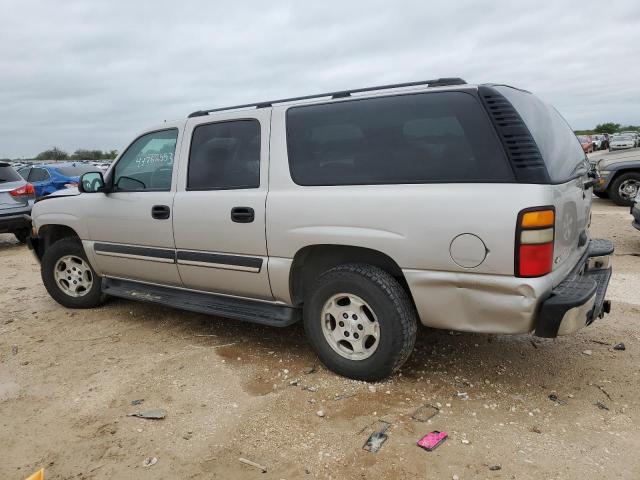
(560, 149)
(225, 155)
(416, 138)
(8, 174)
(38, 175)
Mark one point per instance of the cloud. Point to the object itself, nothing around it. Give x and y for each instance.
(91, 74)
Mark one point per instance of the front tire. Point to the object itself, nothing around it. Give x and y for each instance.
(624, 188)
(360, 321)
(68, 276)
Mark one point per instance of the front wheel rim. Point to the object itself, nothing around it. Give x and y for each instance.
(629, 189)
(350, 326)
(73, 276)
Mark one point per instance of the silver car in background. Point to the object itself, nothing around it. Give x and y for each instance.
(16, 200)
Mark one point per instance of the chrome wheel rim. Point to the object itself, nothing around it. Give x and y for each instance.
(350, 326)
(629, 189)
(73, 276)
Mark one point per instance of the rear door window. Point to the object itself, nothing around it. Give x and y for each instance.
(414, 138)
(225, 155)
(561, 150)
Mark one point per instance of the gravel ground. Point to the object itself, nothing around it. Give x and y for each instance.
(67, 380)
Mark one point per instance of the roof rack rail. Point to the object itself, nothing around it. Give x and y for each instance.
(438, 82)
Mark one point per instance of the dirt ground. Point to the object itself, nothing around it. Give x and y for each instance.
(67, 380)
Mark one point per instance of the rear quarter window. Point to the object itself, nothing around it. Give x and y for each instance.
(413, 138)
(560, 148)
(8, 174)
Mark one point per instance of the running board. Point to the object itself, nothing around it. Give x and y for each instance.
(207, 303)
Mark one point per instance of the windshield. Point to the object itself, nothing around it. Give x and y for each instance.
(77, 170)
(8, 174)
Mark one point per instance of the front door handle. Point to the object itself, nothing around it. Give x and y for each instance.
(242, 214)
(160, 212)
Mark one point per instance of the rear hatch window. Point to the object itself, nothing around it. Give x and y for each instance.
(8, 174)
(561, 150)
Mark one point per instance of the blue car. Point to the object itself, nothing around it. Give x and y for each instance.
(48, 178)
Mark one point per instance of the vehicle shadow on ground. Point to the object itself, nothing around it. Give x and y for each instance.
(439, 355)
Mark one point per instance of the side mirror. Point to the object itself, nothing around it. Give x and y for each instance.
(91, 182)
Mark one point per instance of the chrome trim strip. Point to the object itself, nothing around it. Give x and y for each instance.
(222, 266)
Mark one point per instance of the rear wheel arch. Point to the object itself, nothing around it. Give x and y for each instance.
(311, 261)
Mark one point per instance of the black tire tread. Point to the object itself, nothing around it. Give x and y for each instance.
(406, 313)
(64, 246)
(615, 185)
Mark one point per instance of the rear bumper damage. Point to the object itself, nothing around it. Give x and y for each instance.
(580, 298)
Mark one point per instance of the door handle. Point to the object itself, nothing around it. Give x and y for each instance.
(160, 212)
(242, 214)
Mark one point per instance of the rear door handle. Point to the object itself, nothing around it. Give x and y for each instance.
(242, 214)
(160, 212)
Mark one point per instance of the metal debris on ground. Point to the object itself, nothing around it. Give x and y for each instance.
(149, 462)
(155, 414)
(554, 398)
(601, 388)
(377, 438)
(601, 405)
(425, 412)
(262, 468)
(137, 402)
(619, 346)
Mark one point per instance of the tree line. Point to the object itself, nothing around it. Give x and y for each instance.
(56, 153)
(609, 127)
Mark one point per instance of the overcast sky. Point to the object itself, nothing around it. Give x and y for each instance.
(90, 74)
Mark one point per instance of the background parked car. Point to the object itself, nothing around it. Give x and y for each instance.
(622, 141)
(49, 178)
(600, 141)
(635, 211)
(634, 135)
(619, 177)
(16, 200)
(586, 142)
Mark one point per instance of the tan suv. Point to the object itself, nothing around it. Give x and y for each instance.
(362, 212)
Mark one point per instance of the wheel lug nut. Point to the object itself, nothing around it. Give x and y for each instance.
(345, 315)
(360, 327)
(356, 336)
(354, 316)
(341, 324)
(346, 334)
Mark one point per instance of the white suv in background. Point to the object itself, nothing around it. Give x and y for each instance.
(362, 212)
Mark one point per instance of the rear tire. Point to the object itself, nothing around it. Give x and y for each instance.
(21, 235)
(369, 311)
(68, 276)
(620, 185)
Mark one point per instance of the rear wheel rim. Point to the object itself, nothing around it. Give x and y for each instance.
(350, 326)
(73, 276)
(628, 189)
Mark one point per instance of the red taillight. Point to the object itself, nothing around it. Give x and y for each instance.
(26, 190)
(536, 260)
(534, 241)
